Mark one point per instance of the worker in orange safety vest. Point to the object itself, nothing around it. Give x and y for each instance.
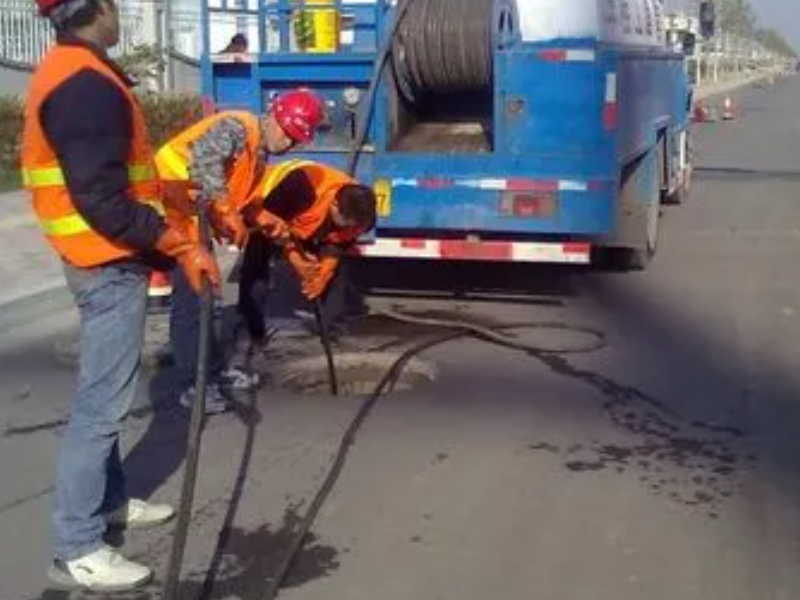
(220, 160)
(325, 212)
(87, 161)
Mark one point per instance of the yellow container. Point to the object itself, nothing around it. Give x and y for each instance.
(317, 28)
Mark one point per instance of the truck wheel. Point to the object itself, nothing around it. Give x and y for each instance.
(681, 194)
(638, 259)
(677, 197)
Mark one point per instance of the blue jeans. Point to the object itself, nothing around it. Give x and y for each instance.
(184, 334)
(90, 482)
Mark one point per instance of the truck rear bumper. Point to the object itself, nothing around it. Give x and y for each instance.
(501, 251)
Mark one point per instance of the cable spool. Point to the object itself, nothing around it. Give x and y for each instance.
(447, 46)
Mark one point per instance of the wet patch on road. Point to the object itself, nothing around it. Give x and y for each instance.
(693, 463)
(440, 458)
(700, 473)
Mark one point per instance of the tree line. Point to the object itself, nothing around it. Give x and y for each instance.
(738, 18)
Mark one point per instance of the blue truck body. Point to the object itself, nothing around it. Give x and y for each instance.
(586, 136)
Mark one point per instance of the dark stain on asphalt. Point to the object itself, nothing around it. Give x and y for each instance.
(440, 458)
(580, 465)
(708, 458)
(251, 556)
(544, 446)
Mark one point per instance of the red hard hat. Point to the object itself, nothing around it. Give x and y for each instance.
(299, 113)
(45, 6)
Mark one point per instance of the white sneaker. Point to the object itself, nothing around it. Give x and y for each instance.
(138, 514)
(215, 402)
(103, 571)
(239, 380)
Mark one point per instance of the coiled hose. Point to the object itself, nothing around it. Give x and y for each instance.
(447, 46)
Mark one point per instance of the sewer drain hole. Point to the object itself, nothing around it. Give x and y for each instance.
(357, 374)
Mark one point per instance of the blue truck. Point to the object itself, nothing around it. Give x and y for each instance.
(498, 130)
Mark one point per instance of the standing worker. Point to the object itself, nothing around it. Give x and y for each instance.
(325, 211)
(221, 159)
(87, 161)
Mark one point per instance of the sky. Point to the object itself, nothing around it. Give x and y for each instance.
(778, 14)
(781, 15)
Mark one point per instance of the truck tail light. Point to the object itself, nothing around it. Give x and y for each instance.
(530, 204)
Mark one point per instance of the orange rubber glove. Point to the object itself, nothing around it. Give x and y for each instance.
(227, 223)
(315, 286)
(195, 261)
(273, 226)
(305, 266)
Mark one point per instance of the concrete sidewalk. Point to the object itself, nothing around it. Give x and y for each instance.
(28, 266)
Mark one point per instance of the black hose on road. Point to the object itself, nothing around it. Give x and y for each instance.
(456, 330)
(325, 339)
(172, 580)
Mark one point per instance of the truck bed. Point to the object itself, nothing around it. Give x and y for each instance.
(448, 138)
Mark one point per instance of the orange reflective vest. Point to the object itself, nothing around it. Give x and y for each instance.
(174, 157)
(326, 182)
(65, 229)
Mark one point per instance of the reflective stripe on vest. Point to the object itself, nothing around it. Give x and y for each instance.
(54, 176)
(174, 161)
(75, 224)
(278, 172)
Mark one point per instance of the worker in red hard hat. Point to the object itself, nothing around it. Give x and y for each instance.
(87, 161)
(219, 160)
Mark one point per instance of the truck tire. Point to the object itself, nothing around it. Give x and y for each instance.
(681, 194)
(640, 178)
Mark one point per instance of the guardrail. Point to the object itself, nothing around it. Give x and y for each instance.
(25, 36)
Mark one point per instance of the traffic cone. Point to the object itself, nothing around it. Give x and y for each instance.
(700, 112)
(159, 290)
(728, 109)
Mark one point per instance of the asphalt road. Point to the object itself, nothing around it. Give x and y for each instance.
(662, 466)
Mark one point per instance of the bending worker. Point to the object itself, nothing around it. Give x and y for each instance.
(325, 212)
(220, 160)
(87, 160)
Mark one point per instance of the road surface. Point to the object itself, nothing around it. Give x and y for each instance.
(662, 466)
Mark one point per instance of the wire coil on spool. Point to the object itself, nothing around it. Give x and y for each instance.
(447, 46)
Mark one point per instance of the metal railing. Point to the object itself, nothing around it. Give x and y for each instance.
(25, 36)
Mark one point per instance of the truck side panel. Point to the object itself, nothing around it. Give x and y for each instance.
(653, 98)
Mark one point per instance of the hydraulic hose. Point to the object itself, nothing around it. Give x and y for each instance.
(455, 329)
(367, 108)
(195, 427)
(325, 339)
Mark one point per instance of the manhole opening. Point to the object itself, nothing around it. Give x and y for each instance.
(357, 374)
